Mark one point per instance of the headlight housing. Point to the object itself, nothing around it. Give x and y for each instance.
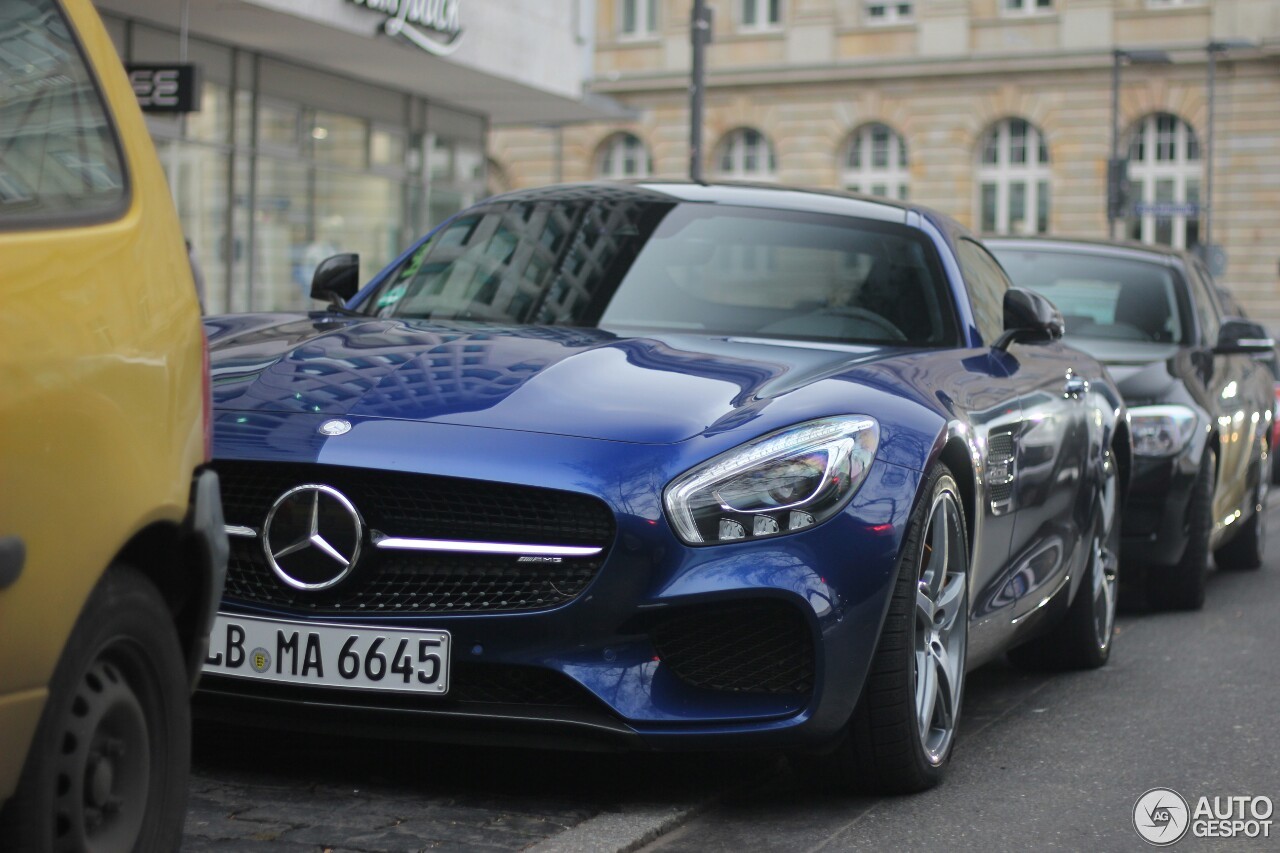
(1161, 430)
(773, 485)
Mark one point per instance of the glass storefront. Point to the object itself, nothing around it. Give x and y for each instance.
(284, 166)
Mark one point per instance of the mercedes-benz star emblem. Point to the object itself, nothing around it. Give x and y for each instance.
(337, 426)
(312, 537)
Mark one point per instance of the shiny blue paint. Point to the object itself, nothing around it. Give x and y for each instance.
(618, 417)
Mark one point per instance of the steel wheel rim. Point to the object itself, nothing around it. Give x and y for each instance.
(104, 764)
(1104, 571)
(940, 633)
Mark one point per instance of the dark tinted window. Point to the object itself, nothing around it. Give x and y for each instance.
(58, 155)
(1202, 291)
(1101, 296)
(651, 265)
(987, 286)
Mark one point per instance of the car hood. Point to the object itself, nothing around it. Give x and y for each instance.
(1143, 371)
(589, 383)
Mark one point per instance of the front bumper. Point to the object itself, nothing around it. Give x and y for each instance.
(617, 680)
(205, 535)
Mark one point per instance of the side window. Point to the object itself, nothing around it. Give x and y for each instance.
(987, 284)
(1206, 306)
(59, 159)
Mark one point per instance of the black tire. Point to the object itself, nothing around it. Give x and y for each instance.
(108, 768)
(1082, 640)
(1181, 586)
(883, 749)
(1249, 547)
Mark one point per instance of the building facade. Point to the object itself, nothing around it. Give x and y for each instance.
(998, 112)
(329, 126)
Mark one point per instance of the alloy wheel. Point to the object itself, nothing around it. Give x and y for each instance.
(941, 629)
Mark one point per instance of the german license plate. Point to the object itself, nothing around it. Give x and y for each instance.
(352, 656)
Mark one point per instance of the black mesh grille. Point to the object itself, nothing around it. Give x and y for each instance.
(744, 647)
(421, 506)
(1000, 458)
(516, 685)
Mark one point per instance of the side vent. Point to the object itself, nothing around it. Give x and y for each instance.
(1001, 464)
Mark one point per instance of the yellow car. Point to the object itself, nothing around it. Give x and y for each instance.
(112, 547)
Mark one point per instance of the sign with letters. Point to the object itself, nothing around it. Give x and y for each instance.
(165, 87)
(432, 25)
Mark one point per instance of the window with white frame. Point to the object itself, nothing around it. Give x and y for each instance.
(888, 13)
(1026, 7)
(760, 14)
(1013, 179)
(638, 18)
(745, 154)
(876, 162)
(623, 155)
(1164, 176)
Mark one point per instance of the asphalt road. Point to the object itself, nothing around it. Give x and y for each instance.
(1189, 701)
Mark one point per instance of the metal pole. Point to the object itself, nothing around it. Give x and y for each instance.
(699, 35)
(1207, 202)
(1116, 57)
(557, 174)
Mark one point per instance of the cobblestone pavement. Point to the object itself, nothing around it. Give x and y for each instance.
(280, 793)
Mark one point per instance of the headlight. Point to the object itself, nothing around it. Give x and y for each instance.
(777, 484)
(1161, 430)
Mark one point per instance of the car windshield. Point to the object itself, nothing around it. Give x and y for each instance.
(1102, 296)
(648, 264)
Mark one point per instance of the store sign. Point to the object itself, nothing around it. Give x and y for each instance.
(1166, 209)
(432, 25)
(171, 87)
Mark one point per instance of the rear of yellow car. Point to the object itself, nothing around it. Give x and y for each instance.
(112, 550)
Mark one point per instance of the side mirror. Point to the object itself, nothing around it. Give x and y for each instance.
(1237, 336)
(336, 279)
(1029, 317)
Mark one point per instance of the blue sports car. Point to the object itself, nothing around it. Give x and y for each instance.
(667, 466)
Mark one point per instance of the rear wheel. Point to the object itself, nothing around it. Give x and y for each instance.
(900, 736)
(1082, 640)
(1181, 586)
(1249, 547)
(107, 770)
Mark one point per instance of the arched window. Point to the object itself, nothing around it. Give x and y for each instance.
(1013, 179)
(1164, 176)
(623, 155)
(876, 162)
(745, 154)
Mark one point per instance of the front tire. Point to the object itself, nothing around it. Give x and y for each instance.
(108, 767)
(900, 736)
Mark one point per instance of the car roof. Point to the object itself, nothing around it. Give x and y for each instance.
(1086, 246)
(743, 194)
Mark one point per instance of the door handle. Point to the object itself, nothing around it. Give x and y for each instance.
(13, 554)
(1076, 386)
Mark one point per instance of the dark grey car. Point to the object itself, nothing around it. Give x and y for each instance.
(1200, 403)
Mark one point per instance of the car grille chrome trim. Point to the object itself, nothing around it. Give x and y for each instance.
(237, 530)
(424, 507)
(458, 546)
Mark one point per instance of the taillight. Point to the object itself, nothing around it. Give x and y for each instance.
(206, 395)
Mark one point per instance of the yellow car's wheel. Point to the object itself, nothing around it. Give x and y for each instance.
(107, 770)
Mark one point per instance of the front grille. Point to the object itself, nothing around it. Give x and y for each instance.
(742, 647)
(428, 507)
